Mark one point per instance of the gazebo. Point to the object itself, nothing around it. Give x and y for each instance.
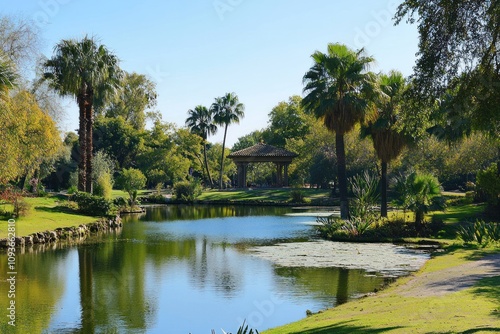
(263, 153)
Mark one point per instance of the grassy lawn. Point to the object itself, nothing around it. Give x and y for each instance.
(46, 213)
(275, 195)
(475, 309)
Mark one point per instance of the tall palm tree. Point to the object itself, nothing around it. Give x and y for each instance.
(200, 122)
(384, 129)
(87, 71)
(335, 92)
(226, 110)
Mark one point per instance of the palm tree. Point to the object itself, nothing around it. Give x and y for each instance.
(387, 135)
(334, 88)
(200, 122)
(226, 110)
(87, 71)
(419, 192)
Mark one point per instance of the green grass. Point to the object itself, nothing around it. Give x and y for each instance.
(390, 312)
(271, 195)
(47, 213)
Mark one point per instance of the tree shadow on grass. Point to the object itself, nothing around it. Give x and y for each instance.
(483, 330)
(489, 288)
(57, 209)
(346, 327)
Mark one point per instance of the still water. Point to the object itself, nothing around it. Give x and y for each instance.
(177, 269)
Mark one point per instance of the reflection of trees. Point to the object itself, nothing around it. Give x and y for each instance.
(39, 287)
(339, 282)
(190, 212)
(343, 286)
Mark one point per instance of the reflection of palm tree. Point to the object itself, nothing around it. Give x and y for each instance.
(200, 123)
(86, 291)
(343, 286)
(334, 86)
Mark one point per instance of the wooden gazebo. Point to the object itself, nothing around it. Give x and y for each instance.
(263, 153)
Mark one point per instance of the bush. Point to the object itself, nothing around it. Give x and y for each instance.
(480, 232)
(14, 196)
(488, 181)
(187, 190)
(94, 205)
(104, 186)
(297, 196)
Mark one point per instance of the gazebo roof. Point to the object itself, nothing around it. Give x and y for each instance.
(262, 150)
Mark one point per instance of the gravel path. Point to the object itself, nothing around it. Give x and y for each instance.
(452, 279)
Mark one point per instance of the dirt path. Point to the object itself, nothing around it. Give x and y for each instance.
(452, 279)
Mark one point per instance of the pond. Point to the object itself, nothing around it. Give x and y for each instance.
(190, 269)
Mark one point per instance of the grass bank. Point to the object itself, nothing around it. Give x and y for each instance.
(46, 213)
(268, 195)
(470, 310)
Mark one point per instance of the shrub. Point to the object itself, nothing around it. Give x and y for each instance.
(15, 197)
(488, 181)
(187, 190)
(479, 232)
(493, 230)
(104, 186)
(93, 205)
(297, 196)
(72, 190)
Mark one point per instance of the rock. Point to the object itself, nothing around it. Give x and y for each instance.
(28, 240)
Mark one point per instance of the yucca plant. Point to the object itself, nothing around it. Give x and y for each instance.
(242, 330)
(493, 231)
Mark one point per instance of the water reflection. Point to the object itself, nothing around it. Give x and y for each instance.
(176, 269)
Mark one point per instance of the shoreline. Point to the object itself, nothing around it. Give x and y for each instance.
(60, 234)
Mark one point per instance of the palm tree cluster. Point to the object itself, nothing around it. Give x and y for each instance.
(342, 92)
(87, 71)
(204, 121)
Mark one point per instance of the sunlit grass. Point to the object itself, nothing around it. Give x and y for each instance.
(46, 213)
(389, 311)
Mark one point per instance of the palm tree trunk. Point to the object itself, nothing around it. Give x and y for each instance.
(206, 164)
(82, 140)
(89, 146)
(383, 190)
(341, 170)
(222, 156)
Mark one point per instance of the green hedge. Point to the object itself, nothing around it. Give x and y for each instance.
(93, 205)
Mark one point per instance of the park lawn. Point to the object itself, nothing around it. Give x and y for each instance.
(472, 309)
(271, 195)
(47, 213)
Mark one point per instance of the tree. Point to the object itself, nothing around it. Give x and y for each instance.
(385, 129)
(136, 93)
(226, 110)
(288, 120)
(19, 41)
(132, 180)
(119, 139)
(334, 88)
(29, 137)
(200, 122)
(87, 71)
(458, 53)
(419, 192)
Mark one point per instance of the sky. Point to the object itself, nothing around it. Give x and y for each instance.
(198, 50)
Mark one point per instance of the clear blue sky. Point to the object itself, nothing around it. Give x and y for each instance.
(197, 50)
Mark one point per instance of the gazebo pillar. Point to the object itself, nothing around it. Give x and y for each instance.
(279, 174)
(242, 174)
(285, 181)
